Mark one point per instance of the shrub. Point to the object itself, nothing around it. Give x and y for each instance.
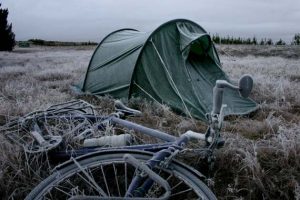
(296, 39)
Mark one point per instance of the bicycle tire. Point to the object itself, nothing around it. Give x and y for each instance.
(181, 175)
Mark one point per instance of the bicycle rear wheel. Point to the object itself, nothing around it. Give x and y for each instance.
(106, 174)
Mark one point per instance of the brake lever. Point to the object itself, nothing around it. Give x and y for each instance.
(121, 108)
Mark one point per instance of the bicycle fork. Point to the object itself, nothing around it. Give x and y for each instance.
(137, 187)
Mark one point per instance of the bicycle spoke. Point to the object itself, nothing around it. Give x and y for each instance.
(88, 182)
(126, 178)
(73, 190)
(171, 175)
(116, 177)
(62, 191)
(176, 185)
(181, 192)
(92, 180)
(105, 181)
(69, 182)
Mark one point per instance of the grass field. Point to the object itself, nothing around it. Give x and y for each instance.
(260, 159)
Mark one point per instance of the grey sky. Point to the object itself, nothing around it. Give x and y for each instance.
(83, 20)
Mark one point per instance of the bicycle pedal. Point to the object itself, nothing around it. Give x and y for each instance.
(50, 142)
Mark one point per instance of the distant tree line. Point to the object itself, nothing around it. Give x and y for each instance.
(216, 38)
(59, 43)
(253, 41)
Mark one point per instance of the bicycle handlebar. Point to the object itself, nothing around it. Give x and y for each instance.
(244, 87)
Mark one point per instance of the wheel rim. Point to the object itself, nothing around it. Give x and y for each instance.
(111, 177)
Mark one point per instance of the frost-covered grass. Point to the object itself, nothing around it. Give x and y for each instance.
(276, 79)
(35, 79)
(260, 159)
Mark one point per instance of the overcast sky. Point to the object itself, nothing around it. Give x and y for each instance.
(83, 20)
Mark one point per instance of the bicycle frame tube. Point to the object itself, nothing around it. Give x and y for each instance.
(148, 131)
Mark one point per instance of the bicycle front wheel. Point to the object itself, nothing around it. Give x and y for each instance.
(106, 174)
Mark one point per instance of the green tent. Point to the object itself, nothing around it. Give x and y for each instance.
(176, 64)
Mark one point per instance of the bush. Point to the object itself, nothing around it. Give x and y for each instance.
(296, 39)
(280, 42)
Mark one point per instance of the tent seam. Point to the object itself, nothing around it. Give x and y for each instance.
(175, 87)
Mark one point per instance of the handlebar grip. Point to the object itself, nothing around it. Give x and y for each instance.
(217, 100)
(195, 135)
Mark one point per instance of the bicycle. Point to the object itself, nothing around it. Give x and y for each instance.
(145, 171)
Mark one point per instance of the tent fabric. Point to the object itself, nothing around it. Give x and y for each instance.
(176, 64)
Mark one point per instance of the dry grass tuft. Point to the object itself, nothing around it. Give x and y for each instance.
(52, 76)
(259, 169)
(19, 172)
(261, 157)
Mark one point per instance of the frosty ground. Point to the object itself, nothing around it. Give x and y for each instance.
(260, 159)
